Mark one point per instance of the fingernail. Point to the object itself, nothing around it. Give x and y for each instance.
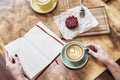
(87, 49)
(13, 61)
(16, 55)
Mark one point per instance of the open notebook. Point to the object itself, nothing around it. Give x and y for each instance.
(36, 49)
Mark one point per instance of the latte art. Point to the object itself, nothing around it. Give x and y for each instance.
(74, 52)
(42, 2)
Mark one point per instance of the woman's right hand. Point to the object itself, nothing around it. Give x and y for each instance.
(98, 52)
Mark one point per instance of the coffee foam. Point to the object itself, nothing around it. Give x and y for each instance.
(42, 2)
(74, 52)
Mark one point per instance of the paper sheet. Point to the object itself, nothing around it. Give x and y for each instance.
(84, 24)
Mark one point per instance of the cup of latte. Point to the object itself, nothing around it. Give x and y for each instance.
(74, 51)
(43, 6)
(44, 3)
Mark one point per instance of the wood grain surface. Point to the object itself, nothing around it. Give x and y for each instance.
(17, 17)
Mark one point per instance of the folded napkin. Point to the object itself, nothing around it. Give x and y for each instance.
(84, 24)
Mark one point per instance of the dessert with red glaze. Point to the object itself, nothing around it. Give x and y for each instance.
(71, 22)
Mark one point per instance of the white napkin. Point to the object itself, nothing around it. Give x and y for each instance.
(84, 24)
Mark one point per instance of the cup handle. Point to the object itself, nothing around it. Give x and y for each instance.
(86, 50)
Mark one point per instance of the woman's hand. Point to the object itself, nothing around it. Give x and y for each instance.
(14, 67)
(98, 52)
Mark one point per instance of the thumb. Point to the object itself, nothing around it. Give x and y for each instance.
(6, 56)
(91, 52)
(16, 58)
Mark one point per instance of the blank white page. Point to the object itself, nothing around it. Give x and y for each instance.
(48, 44)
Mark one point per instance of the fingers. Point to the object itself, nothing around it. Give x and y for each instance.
(91, 52)
(8, 59)
(94, 47)
(6, 56)
(11, 59)
(16, 58)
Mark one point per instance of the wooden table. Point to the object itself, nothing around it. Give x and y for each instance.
(17, 17)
